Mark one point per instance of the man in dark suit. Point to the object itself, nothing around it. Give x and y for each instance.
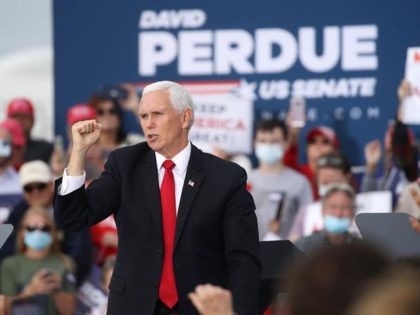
(184, 217)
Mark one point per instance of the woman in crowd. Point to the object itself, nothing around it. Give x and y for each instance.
(110, 115)
(38, 276)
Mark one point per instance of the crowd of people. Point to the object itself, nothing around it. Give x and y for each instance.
(45, 268)
(50, 270)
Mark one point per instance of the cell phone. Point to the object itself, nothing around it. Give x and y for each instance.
(280, 206)
(297, 109)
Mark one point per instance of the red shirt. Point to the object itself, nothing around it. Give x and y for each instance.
(291, 159)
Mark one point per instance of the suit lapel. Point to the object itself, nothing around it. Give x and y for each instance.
(192, 183)
(150, 183)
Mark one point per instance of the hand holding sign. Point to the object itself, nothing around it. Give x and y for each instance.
(409, 90)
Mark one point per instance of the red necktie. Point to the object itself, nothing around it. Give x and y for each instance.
(167, 289)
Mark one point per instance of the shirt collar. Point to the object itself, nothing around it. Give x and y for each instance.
(180, 160)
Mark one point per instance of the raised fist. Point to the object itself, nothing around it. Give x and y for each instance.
(84, 134)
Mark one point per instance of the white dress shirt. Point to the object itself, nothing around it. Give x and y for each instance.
(72, 183)
(179, 171)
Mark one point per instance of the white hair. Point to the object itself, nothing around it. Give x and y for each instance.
(178, 95)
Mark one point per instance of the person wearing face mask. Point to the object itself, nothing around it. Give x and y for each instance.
(36, 181)
(18, 141)
(10, 189)
(338, 209)
(39, 276)
(272, 183)
(331, 168)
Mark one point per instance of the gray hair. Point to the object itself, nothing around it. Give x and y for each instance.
(178, 95)
(339, 187)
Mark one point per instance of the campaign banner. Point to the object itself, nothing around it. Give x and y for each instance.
(344, 59)
(223, 118)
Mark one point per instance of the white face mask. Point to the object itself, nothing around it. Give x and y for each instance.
(269, 153)
(5, 148)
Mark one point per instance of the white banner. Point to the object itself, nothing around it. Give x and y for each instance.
(223, 118)
(411, 104)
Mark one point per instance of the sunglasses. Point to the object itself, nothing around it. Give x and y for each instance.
(38, 186)
(43, 228)
(103, 112)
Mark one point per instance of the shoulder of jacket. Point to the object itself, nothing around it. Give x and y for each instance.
(135, 149)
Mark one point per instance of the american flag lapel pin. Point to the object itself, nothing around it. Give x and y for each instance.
(191, 183)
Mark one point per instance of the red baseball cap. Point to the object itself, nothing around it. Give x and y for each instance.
(80, 112)
(325, 132)
(20, 106)
(16, 131)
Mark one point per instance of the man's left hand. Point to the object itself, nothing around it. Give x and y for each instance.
(212, 300)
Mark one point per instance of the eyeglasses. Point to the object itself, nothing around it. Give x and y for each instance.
(43, 228)
(38, 186)
(103, 112)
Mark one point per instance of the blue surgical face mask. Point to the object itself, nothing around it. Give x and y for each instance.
(5, 148)
(269, 153)
(37, 240)
(336, 225)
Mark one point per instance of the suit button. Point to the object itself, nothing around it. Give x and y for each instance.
(160, 254)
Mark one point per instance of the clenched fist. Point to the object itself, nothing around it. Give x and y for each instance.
(85, 134)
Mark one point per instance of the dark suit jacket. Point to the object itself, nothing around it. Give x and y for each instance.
(216, 238)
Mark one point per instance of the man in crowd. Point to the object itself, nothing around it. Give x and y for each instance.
(183, 217)
(320, 140)
(22, 110)
(10, 189)
(338, 209)
(331, 168)
(36, 180)
(278, 191)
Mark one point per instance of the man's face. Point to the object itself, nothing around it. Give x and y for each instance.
(26, 122)
(338, 204)
(318, 146)
(274, 136)
(165, 129)
(329, 175)
(269, 146)
(38, 194)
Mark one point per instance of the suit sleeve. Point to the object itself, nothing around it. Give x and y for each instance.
(85, 207)
(242, 246)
